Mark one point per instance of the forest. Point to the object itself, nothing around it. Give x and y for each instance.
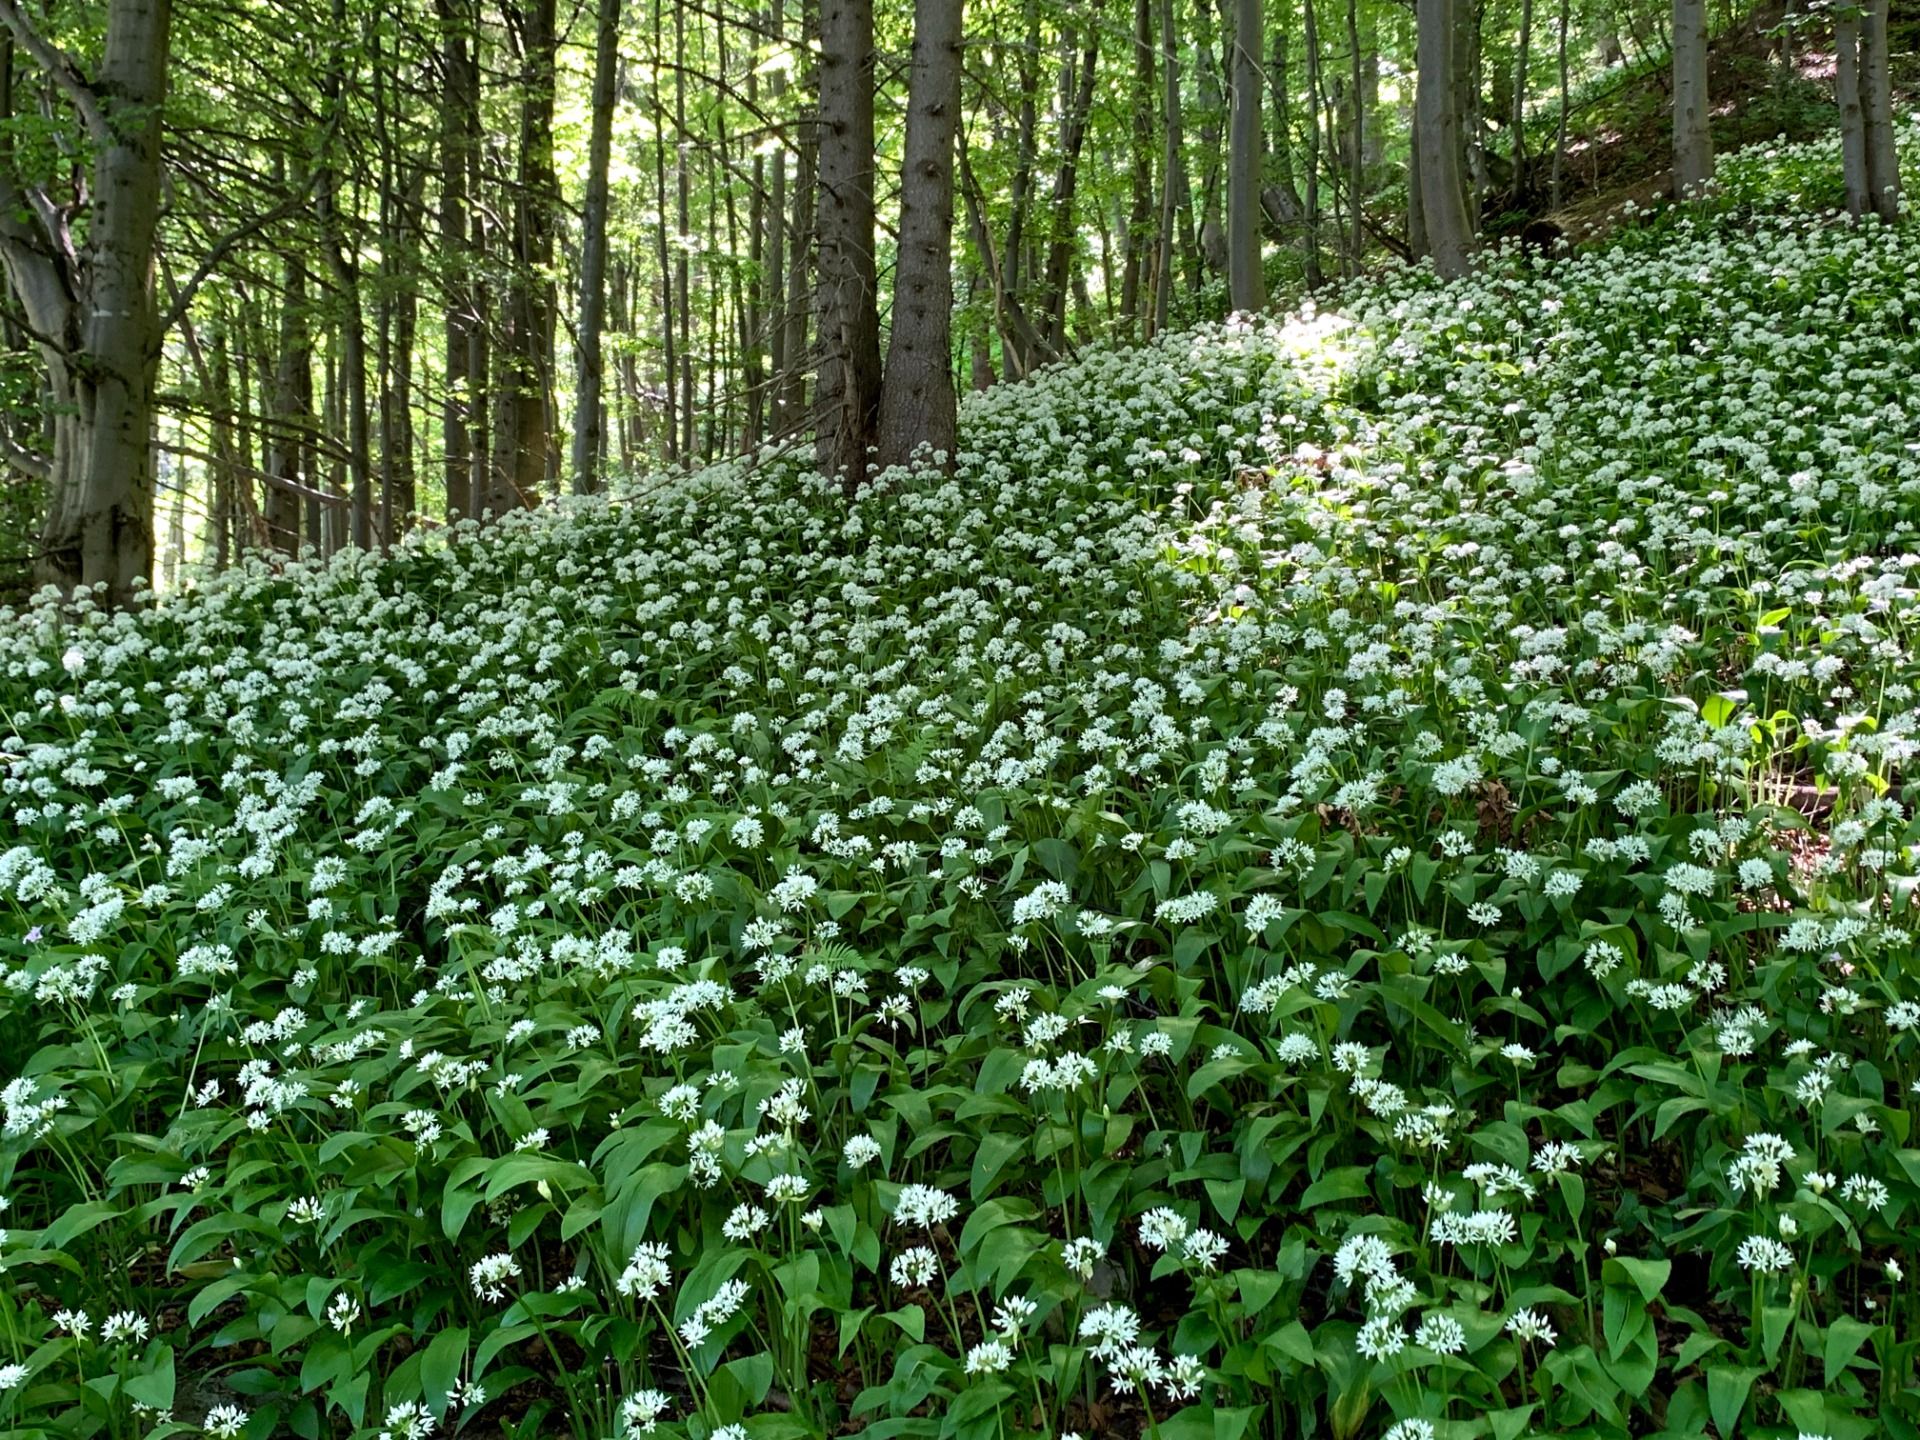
(318, 274)
(1023, 720)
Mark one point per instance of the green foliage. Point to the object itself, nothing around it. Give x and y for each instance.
(1351, 870)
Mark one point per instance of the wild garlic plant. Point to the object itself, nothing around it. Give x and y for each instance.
(1357, 866)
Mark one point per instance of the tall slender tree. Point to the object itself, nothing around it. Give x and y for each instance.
(1692, 139)
(847, 392)
(1246, 274)
(917, 402)
(1443, 192)
(1876, 98)
(590, 411)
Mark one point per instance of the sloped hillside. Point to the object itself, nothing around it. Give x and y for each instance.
(1355, 866)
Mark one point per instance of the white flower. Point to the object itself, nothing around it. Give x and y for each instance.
(646, 1272)
(490, 1275)
(1763, 1253)
(225, 1422)
(924, 1206)
(1530, 1325)
(989, 1357)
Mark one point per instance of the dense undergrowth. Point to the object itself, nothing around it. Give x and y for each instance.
(1349, 875)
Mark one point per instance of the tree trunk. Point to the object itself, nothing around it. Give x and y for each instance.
(1212, 115)
(848, 388)
(1282, 118)
(1356, 135)
(1246, 275)
(1140, 160)
(1311, 205)
(403, 497)
(344, 261)
(1692, 140)
(1170, 169)
(1518, 120)
(1443, 201)
(1853, 116)
(520, 438)
(683, 215)
(93, 302)
(590, 416)
(1560, 126)
(1468, 107)
(458, 134)
(1020, 196)
(917, 404)
(801, 256)
(291, 408)
(217, 377)
(1063, 242)
(1883, 165)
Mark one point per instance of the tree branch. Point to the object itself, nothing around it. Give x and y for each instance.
(61, 69)
(30, 463)
(223, 247)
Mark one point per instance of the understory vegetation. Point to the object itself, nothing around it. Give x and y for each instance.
(1349, 874)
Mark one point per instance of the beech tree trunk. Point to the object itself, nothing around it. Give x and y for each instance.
(590, 414)
(1443, 196)
(1876, 97)
(917, 402)
(1310, 204)
(519, 465)
(92, 304)
(1517, 122)
(1692, 140)
(1062, 244)
(1171, 172)
(791, 390)
(1853, 115)
(458, 137)
(848, 390)
(1140, 227)
(1246, 276)
(292, 410)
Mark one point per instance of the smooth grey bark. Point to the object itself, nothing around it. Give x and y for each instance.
(1417, 244)
(92, 307)
(1356, 134)
(1853, 115)
(1282, 120)
(1140, 223)
(590, 411)
(1012, 276)
(791, 388)
(1876, 97)
(1062, 245)
(459, 135)
(1560, 126)
(291, 406)
(1692, 140)
(847, 392)
(1212, 116)
(1517, 122)
(343, 260)
(518, 470)
(1310, 37)
(1170, 167)
(1246, 276)
(1468, 105)
(917, 402)
(1443, 199)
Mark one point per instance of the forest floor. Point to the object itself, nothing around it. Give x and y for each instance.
(1619, 151)
(1357, 864)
